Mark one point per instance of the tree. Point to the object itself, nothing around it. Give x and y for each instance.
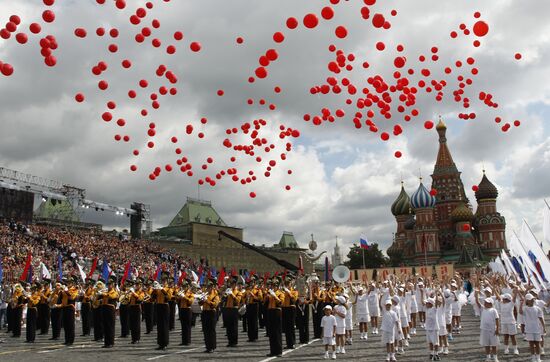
(373, 257)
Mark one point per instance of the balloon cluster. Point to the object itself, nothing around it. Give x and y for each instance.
(375, 99)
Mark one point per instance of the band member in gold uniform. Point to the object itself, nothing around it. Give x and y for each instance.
(275, 299)
(209, 302)
(97, 311)
(55, 313)
(135, 298)
(32, 311)
(161, 296)
(232, 299)
(123, 310)
(86, 307)
(68, 309)
(17, 303)
(289, 312)
(148, 307)
(253, 298)
(109, 298)
(43, 322)
(185, 300)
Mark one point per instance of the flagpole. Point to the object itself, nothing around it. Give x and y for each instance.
(546, 202)
(363, 250)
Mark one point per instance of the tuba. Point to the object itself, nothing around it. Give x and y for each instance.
(341, 274)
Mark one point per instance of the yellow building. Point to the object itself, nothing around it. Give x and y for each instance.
(199, 232)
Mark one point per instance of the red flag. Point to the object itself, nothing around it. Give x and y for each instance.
(27, 267)
(94, 266)
(182, 277)
(126, 272)
(284, 274)
(221, 277)
(233, 272)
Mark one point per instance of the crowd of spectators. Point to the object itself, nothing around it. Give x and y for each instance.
(82, 246)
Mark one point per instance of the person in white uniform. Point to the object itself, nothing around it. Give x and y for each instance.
(508, 326)
(390, 323)
(489, 326)
(328, 324)
(362, 309)
(373, 296)
(535, 327)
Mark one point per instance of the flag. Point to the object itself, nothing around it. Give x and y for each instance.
(127, 273)
(201, 282)
(1, 271)
(94, 266)
(175, 273)
(24, 275)
(195, 276)
(221, 277)
(183, 275)
(81, 271)
(213, 272)
(59, 267)
(44, 272)
(29, 275)
(157, 273)
(534, 250)
(105, 271)
(364, 244)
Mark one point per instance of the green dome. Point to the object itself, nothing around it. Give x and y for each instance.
(402, 205)
(462, 214)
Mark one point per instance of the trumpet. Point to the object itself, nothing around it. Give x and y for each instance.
(201, 297)
(146, 298)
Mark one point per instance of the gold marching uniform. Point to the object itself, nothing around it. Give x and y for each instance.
(86, 310)
(231, 315)
(208, 317)
(108, 306)
(185, 300)
(161, 296)
(253, 297)
(135, 299)
(43, 321)
(289, 316)
(32, 301)
(275, 300)
(68, 309)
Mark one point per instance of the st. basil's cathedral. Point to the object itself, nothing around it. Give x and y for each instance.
(439, 226)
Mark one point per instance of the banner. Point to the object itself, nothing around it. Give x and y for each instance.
(443, 270)
(362, 275)
(404, 270)
(424, 271)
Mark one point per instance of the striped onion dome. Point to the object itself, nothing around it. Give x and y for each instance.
(402, 205)
(462, 213)
(422, 198)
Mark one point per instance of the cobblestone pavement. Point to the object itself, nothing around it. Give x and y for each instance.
(465, 347)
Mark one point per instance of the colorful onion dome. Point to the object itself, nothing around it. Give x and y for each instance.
(422, 198)
(402, 205)
(462, 213)
(486, 189)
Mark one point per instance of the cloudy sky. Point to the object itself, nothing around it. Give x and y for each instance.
(344, 179)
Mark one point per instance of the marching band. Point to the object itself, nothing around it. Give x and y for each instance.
(280, 304)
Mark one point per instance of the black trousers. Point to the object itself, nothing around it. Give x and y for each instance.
(232, 325)
(261, 315)
(274, 323)
(172, 322)
(32, 318)
(86, 316)
(55, 316)
(124, 320)
(67, 315)
(43, 319)
(289, 326)
(252, 321)
(154, 314)
(148, 315)
(302, 322)
(134, 316)
(108, 317)
(163, 317)
(318, 314)
(9, 317)
(208, 320)
(17, 315)
(185, 321)
(97, 316)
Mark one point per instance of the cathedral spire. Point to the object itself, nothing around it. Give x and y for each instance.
(444, 161)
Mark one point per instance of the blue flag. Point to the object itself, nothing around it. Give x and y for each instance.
(175, 273)
(1, 271)
(201, 282)
(105, 270)
(59, 267)
(213, 272)
(364, 244)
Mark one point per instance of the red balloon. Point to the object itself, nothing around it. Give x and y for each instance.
(240, 40)
(48, 16)
(35, 28)
(79, 97)
(22, 38)
(291, 23)
(195, 46)
(6, 69)
(311, 21)
(398, 154)
(50, 61)
(517, 56)
(253, 195)
(466, 227)
(341, 32)
(475, 188)
(220, 92)
(481, 28)
(399, 62)
(428, 124)
(126, 63)
(278, 37)
(80, 32)
(15, 19)
(433, 192)
(261, 72)
(378, 20)
(11, 26)
(178, 35)
(385, 136)
(327, 13)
